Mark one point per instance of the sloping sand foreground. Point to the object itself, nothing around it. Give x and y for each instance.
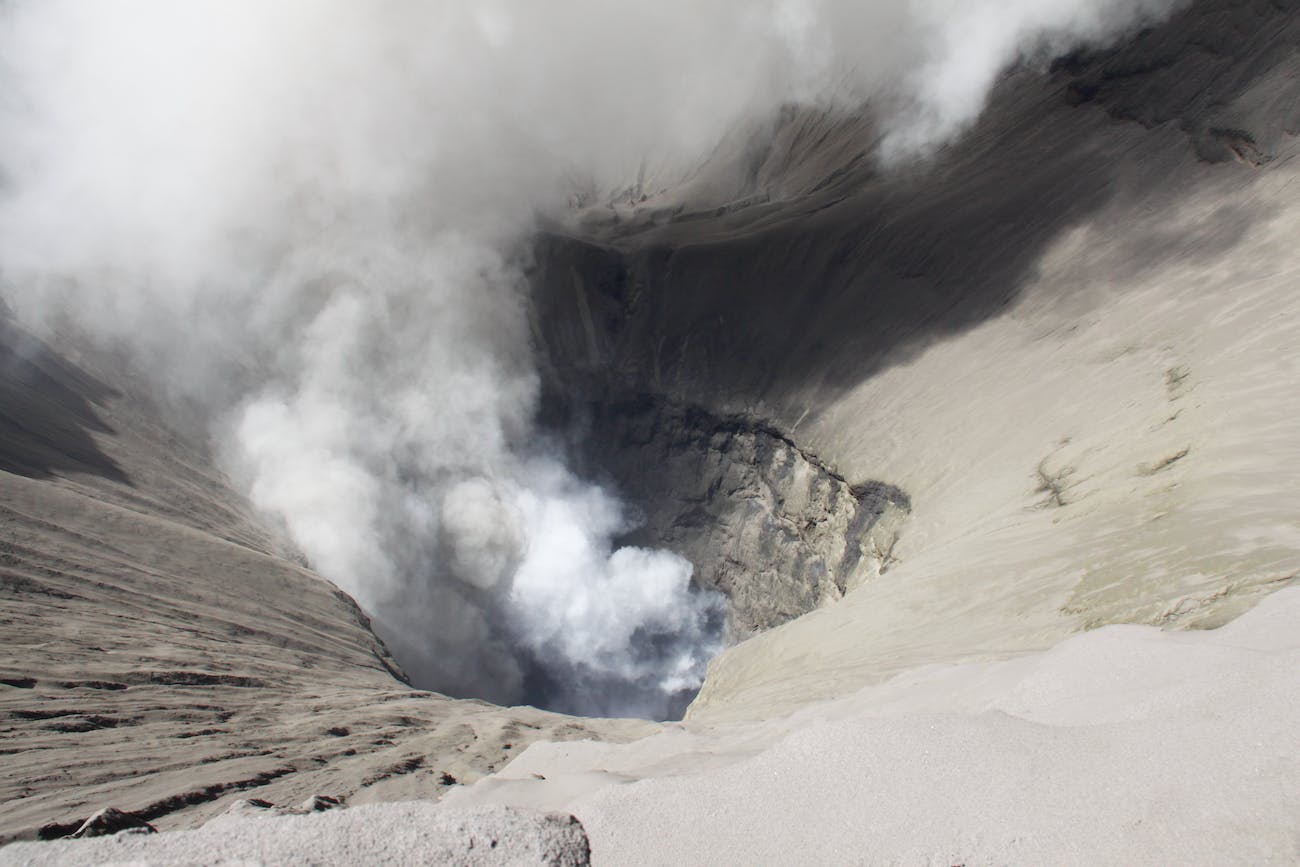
(1127, 745)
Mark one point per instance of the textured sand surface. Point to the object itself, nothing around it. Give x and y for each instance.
(162, 655)
(415, 833)
(1126, 745)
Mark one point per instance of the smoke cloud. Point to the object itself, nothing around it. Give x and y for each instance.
(309, 218)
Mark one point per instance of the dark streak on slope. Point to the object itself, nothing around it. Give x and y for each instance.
(774, 310)
(47, 411)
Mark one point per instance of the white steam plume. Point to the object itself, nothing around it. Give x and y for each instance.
(304, 216)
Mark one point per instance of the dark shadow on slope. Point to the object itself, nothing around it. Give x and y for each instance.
(870, 269)
(47, 411)
(1190, 72)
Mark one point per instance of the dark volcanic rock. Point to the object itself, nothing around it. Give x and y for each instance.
(111, 820)
(770, 526)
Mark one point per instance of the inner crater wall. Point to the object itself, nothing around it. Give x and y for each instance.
(771, 527)
(776, 529)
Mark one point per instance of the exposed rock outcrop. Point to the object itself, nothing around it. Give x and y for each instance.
(763, 522)
(109, 821)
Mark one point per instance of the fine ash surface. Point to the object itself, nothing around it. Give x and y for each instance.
(1126, 745)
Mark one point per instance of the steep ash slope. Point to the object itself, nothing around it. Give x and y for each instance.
(1068, 339)
(1087, 389)
(162, 654)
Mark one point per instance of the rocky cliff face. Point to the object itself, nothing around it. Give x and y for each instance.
(770, 526)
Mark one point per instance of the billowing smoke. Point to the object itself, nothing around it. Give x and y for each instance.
(310, 218)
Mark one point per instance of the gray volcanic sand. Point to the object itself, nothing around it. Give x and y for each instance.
(1072, 340)
(162, 654)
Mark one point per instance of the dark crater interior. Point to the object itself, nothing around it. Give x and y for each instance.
(771, 527)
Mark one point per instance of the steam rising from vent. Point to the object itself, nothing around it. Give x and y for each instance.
(308, 217)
